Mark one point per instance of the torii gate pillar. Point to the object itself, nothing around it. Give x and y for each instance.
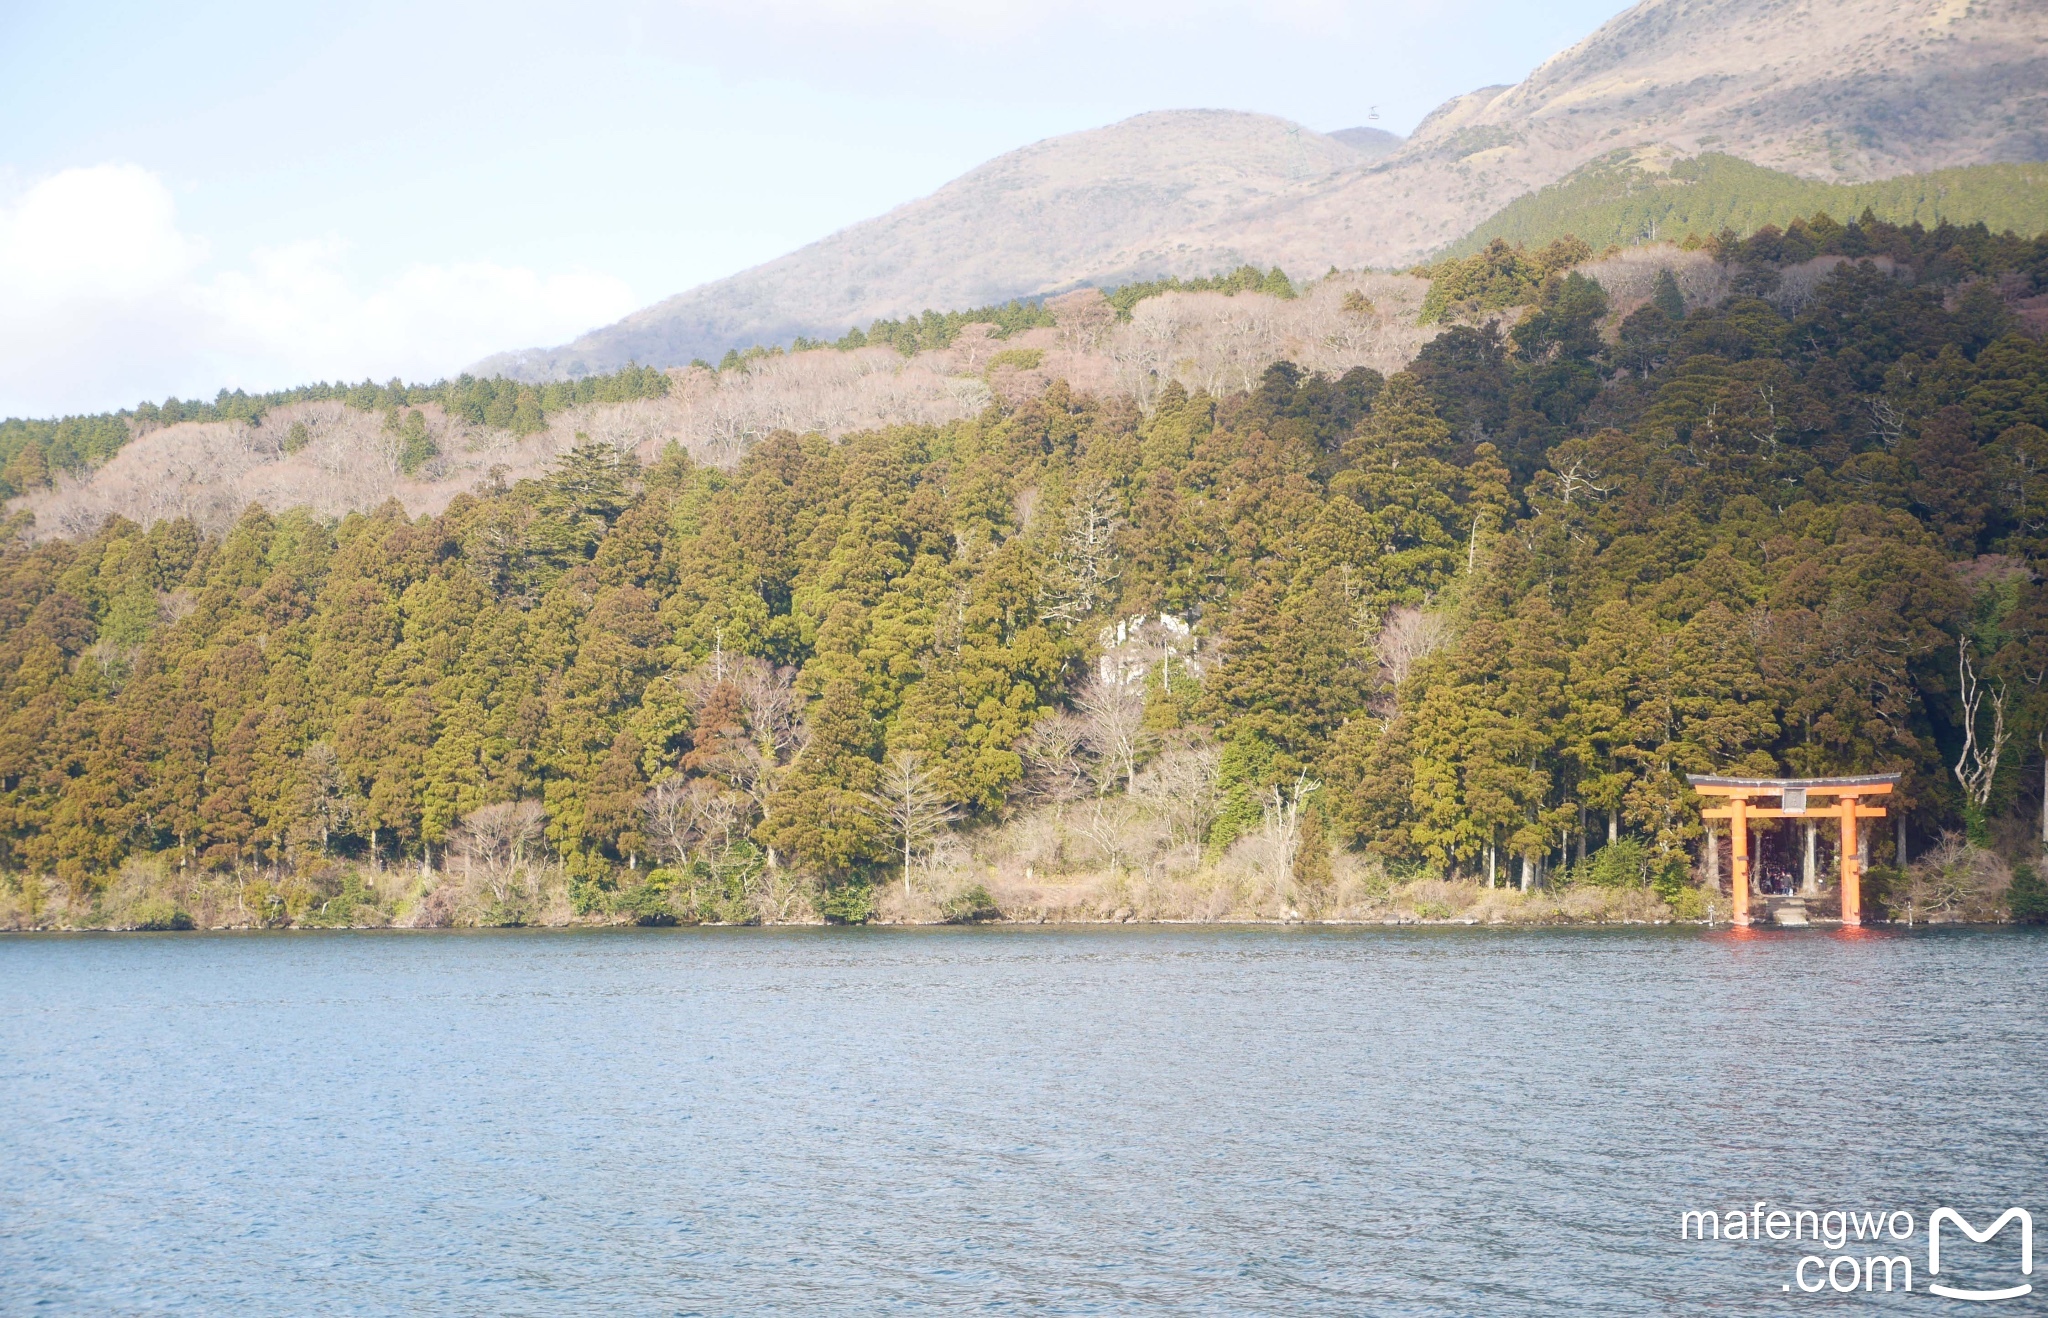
(1738, 877)
(1852, 871)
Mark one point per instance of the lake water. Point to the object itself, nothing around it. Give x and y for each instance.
(1117, 1120)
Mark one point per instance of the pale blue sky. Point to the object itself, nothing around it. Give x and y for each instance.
(224, 192)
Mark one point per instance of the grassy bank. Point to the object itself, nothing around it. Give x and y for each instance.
(1044, 866)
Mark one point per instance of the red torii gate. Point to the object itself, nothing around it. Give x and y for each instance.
(1793, 794)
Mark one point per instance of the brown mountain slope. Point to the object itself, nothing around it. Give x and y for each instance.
(1042, 219)
(1841, 90)
(1833, 89)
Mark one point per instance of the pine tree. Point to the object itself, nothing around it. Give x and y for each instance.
(822, 813)
(1666, 297)
(1949, 483)
(1312, 876)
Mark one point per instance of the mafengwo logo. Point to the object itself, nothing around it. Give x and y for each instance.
(1849, 1238)
(1942, 1215)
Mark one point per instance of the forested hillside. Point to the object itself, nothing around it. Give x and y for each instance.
(1454, 618)
(33, 452)
(1621, 201)
(342, 449)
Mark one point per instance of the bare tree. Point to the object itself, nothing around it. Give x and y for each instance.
(327, 798)
(1219, 342)
(670, 830)
(1977, 765)
(1083, 316)
(916, 810)
(717, 814)
(774, 710)
(1083, 565)
(769, 731)
(1108, 824)
(1577, 478)
(1406, 638)
(682, 812)
(691, 814)
(1180, 788)
(1282, 811)
(1113, 728)
(210, 471)
(974, 345)
(1887, 421)
(1056, 761)
(496, 839)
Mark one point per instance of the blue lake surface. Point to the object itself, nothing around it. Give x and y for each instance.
(1045, 1120)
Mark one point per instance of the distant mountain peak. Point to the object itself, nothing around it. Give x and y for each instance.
(1041, 219)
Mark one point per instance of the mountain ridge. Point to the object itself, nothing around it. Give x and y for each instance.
(1832, 90)
(1065, 201)
(1838, 103)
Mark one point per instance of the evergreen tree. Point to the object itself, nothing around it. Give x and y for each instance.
(822, 813)
(1666, 297)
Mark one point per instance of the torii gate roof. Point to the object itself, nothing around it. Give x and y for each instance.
(1708, 782)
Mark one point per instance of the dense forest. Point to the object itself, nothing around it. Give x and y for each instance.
(1478, 617)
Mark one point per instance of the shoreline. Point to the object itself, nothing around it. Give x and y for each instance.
(1391, 922)
(144, 899)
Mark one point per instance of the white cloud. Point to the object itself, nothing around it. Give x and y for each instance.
(105, 232)
(296, 305)
(105, 301)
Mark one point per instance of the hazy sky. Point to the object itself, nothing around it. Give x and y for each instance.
(231, 193)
